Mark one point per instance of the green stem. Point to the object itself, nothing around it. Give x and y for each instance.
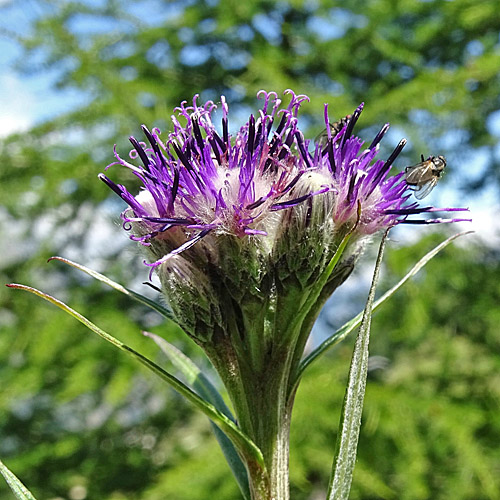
(260, 406)
(271, 406)
(267, 384)
(280, 466)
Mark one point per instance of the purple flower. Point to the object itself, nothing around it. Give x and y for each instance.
(201, 181)
(250, 234)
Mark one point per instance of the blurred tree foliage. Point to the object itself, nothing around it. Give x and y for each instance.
(74, 413)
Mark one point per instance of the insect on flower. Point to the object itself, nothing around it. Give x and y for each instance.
(423, 176)
(322, 138)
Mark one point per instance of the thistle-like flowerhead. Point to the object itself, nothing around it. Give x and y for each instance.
(248, 217)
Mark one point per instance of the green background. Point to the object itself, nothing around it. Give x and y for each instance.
(80, 420)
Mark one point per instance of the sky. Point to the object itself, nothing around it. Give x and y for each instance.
(26, 101)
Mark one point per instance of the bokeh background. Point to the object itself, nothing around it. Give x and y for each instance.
(78, 419)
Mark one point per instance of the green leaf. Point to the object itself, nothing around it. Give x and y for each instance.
(194, 376)
(167, 313)
(245, 446)
(197, 379)
(18, 488)
(348, 327)
(350, 420)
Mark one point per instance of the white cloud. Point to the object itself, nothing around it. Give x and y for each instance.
(16, 105)
(485, 224)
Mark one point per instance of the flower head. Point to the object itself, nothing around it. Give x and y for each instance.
(263, 205)
(204, 182)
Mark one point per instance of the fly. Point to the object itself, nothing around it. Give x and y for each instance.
(423, 176)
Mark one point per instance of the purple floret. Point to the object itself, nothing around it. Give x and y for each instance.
(203, 181)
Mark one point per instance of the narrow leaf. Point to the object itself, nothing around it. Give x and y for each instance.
(194, 376)
(241, 441)
(352, 324)
(197, 379)
(20, 491)
(350, 421)
(164, 311)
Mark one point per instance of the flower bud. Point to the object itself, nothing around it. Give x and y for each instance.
(238, 227)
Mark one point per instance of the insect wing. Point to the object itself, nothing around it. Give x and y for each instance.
(424, 189)
(417, 174)
(421, 179)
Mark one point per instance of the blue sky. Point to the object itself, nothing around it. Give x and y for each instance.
(26, 101)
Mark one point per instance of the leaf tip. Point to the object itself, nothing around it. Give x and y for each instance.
(57, 257)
